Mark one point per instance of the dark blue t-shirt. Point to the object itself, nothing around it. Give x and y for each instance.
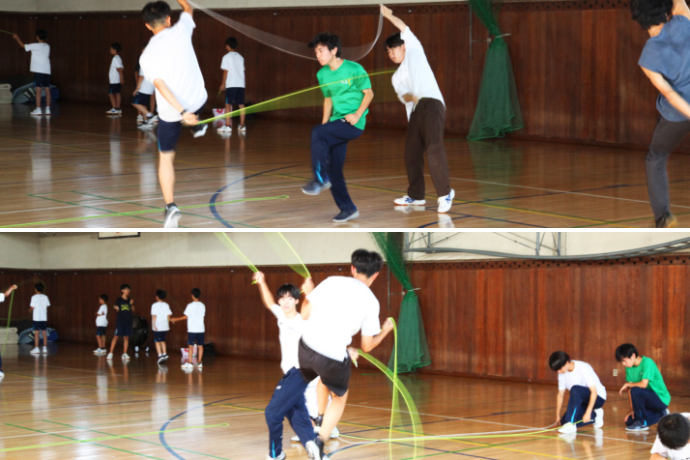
(124, 316)
(669, 54)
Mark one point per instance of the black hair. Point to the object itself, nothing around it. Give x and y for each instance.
(125, 286)
(116, 46)
(394, 41)
(649, 13)
(674, 431)
(155, 13)
(42, 34)
(161, 294)
(39, 287)
(104, 297)
(330, 40)
(367, 262)
(231, 42)
(291, 289)
(557, 360)
(626, 351)
(196, 292)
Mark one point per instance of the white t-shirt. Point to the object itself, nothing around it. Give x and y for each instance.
(146, 86)
(233, 62)
(341, 307)
(102, 318)
(169, 56)
(414, 76)
(195, 313)
(290, 332)
(40, 303)
(582, 375)
(672, 454)
(2, 297)
(161, 310)
(40, 57)
(115, 64)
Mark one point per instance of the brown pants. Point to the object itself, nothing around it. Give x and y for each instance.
(425, 134)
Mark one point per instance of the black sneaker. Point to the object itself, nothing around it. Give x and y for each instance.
(172, 216)
(344, 216)
(668, 220)
(161, 358)
(199, 130)
(315, 187)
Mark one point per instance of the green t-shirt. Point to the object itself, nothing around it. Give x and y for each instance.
(348, 82)
(647, 370)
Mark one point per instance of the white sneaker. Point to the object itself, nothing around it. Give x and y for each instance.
(109, 357)
(201, 131)
(2, 374)
(279, 457)
(36, 112)
(118, 111)
(153, 119)
(47, 112)
(568, 428)
(200, 366)
(312, 451)
(335, 433)
(187, 366)
(45, 350)
(172, 217)
(445, 202)
(111, 112)
(407, 201)
(242, 129)
(36, 351)
(97, 351)
(225, 130)
(146, 126)
(599, 420)
(140, 119)
(125, 356)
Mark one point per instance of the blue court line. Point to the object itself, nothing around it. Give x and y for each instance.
(215, 196)
(161, 435)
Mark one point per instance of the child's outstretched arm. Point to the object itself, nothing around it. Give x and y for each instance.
(266, 295)
(181, 318)
(397, 22)
(10, 289)
(18, 40)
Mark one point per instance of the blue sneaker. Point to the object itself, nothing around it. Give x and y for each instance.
(344, 216)
(315, 187)
(638, 426)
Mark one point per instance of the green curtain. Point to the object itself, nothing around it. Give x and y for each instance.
(413, 352)
(498, 108)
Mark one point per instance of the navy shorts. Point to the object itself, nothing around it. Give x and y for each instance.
(169, 134)
(100, 330)
(234, 96)
(123, 330)
(142, 99)
(159, 336)
(195, 338)
(42, 80)
(115, 88)
(40, 325)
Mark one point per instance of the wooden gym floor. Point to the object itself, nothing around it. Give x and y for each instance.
(71, 404)
(83, 169)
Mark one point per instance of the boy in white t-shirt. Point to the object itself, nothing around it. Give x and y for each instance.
(233, 84)
(160, 318)
(116, 76)
(673, 438)
(169, 62)
(288, 398)
(194, 314)
(39, 307)
(337, 309)
(2, 299)
(416, 87)
(143, 101)
(101, 324)
(587, 394)
(40, 66)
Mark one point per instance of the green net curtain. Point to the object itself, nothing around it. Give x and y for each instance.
(413, 352)
(498, 108)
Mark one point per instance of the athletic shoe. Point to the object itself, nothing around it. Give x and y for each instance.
(111, 112)
(165, 357)
(225, 130)
(109, 357)
(668, 220)
(599, 420)
(187, 366)
(200, 366)
(335, 433)
(345, 216)
(313, 450)
(146, 126)
(315, 187)
(36, 112)
(294, 438)
(279, 457)
(637, 426)
(140, 119)
(47, 112)
(242, 129)
(172, 216)
(118, 111)
(36, 351)
(445, 202)
(161, 358)
(200, 130)
(97, 351)
(45, 350)
(152, 119)
(568, 428)
(2, 374)
(125, 356)
(407, 201)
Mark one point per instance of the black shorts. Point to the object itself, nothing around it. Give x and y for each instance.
(159, 336)
(40, 325)
(42, 80)
(142, 99)
(334, 374)
(169, 134)
(195, 338)
(100, 330)
(234, 96)
(115, 88)
(123, 330)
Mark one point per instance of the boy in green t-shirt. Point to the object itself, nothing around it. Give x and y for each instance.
(347, 93)
(649, 398)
